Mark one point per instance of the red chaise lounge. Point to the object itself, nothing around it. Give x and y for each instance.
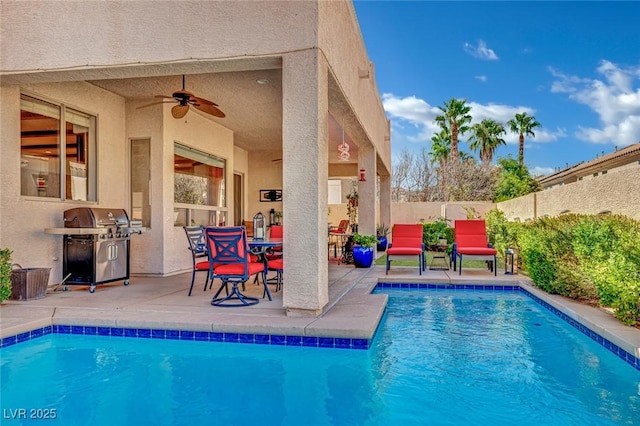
(471, 241)
(406, 240)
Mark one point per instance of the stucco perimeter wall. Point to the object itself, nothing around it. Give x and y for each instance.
(519, 209)
(617, 191)
(431, 211)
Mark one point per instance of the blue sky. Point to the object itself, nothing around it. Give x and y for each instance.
(575, 66)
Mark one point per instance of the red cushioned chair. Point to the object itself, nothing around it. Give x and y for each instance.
(406, 240)
(471, 242)
(277, 265)
(198, 249)
(275, 232)
(342, 228)
(228, 250)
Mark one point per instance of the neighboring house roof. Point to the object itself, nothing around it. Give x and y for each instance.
(615, 159)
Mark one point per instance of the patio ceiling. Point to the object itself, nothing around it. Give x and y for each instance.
(253, 110)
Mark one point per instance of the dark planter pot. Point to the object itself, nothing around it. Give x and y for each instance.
(382, 243)
(362, 257)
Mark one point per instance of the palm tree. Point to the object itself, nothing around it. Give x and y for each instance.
(440, 151)
(486, 138)
(455, 117)
(523, 124)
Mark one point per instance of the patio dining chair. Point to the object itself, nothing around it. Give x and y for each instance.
(277, 265)
(275, 232)
(334, 239)
(198, 249)
(228, 249)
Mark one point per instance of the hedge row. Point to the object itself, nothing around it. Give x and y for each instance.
(595, 259)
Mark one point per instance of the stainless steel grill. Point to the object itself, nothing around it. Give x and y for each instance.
(96, 245)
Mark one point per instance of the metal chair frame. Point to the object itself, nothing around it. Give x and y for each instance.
(198, 249)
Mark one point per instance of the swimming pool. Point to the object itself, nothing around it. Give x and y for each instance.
(443, 357)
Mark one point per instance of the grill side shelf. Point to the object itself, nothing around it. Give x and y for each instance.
(76, 231)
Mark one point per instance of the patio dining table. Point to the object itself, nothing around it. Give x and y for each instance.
(260, 247)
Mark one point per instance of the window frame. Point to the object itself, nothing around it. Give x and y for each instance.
(92, 148)
(192, 214)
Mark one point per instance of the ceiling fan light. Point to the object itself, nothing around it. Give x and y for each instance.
(179, 111)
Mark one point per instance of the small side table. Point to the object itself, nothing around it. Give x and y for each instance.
(440, 261)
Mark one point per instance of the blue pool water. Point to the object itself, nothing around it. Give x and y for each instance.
(439, 358)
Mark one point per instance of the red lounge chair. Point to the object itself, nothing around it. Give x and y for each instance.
(471, 241)
(406, 240)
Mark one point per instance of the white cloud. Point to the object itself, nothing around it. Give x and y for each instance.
(541, 171)
(615, 97)
(481, 51)
(482, 78)
(421, 115)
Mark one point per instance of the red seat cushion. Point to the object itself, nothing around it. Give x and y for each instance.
(238, 268)
(202, 266)
(276, 264)
(398, 251)
(477, 251)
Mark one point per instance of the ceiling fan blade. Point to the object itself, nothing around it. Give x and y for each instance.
(153, 103)
(203, 101)
(179, 111)
(210, 109)
(163, 96)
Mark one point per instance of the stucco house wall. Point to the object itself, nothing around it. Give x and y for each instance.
(324, 67)
(24, 218)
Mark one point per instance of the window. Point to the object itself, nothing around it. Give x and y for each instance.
(141, 181)
(57, 151)
(334, 192)
(199, 187)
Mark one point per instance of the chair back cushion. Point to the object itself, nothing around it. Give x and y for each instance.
(406, 235)
(470, 233)
(276, 231)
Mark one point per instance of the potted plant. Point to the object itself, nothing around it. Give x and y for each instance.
(5, 274)
(363, 250)
(381, 233)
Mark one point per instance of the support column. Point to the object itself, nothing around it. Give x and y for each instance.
(385, 200)
(305, 174)
(367, 203)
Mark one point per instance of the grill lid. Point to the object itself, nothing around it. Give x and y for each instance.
(89, 217)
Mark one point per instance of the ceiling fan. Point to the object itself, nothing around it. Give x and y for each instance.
(186, 99)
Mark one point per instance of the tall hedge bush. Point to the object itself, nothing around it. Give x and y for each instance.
(591, 258)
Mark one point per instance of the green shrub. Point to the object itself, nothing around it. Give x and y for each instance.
(591, 258)
(433, 231)
(5, 274)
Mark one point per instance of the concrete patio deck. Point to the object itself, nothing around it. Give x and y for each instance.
(352, 312)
